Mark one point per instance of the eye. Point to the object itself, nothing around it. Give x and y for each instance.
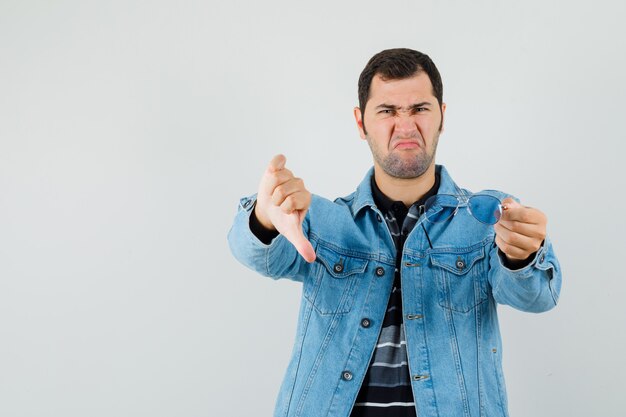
(419, 109)
(386, 111)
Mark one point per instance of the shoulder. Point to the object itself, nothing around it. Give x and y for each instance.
(346, 200)
(321, 204)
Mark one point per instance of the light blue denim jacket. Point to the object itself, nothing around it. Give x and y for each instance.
(449, 298)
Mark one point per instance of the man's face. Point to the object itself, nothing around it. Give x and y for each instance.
(403, 121)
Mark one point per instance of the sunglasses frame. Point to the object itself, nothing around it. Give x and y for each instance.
(463, 200)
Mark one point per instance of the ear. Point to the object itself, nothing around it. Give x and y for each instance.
(359, 121)
(443, 113)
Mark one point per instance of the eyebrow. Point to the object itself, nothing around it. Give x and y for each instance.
(412, 106)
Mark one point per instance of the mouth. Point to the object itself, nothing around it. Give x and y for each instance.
(406, 144)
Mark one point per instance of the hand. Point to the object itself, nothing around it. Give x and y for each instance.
(520, 231)
(282, 203)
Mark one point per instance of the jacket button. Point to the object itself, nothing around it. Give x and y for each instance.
(543, 258)
(338, 267)
(246, 204)
(366, 323)
(379, 218)
(346, 375)
(419, 377)
(460, 263)
(380, 271)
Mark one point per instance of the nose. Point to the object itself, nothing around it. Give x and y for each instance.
(405, 125)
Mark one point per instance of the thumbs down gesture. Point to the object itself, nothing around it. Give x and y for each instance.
(282, 203)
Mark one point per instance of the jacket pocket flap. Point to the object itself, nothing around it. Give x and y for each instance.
(339, 265)
(457, 263)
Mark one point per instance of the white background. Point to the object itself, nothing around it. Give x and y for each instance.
(129, 130)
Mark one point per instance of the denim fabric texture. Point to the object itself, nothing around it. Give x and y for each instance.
(450, 294)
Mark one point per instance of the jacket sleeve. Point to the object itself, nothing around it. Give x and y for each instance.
(534, 288)
(278, 259)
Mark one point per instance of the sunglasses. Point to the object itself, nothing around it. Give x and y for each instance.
(482, 206)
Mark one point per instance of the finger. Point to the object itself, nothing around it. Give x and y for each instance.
(526, 229)
(510, 251)
(277, 163)
(287, 188)
(525, 243)
(297, 201)
(516, 212)
(279, 177)
(276, 178)
(509, 201)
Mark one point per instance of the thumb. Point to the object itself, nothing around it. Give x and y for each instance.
(293, 233)
(509, 205)
(509, 202)
(304, 247)
(510, 209)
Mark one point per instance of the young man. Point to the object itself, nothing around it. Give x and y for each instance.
(401, 278)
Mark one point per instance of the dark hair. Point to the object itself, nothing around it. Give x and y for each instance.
(396, 64)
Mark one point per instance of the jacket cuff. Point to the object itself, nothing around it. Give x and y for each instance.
(538, 260)
(258, 231)
(515, 265)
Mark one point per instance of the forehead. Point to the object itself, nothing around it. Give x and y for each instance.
(410, 90)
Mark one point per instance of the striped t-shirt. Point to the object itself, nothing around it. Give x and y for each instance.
(386, 388)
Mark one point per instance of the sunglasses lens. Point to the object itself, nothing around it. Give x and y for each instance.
(485, 208)
(440, 207)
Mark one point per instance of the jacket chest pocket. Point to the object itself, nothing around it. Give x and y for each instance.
(461, 278)
(332, 290)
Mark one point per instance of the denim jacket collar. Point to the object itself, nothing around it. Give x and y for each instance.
(363, 196)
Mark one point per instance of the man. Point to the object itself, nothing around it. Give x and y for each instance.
(402, 277)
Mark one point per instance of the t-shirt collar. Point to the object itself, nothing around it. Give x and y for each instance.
(386, 204)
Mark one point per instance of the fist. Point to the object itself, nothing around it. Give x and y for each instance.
(520, 231)
(282, 203)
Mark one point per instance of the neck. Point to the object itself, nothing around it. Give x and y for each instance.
(407, 190)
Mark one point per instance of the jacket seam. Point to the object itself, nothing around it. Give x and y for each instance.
(295, 377)
(320, 356)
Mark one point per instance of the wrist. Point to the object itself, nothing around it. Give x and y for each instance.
(262, 220)
(514, 264)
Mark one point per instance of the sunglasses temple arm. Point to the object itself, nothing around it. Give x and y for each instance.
(427, 237)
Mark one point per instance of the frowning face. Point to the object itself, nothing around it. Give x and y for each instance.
(402, 123)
